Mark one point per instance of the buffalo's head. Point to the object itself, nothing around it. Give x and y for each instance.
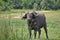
(30, 16)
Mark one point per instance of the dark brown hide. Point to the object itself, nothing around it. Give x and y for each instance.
(35, 22)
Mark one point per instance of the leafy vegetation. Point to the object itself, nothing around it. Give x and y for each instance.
(29, 4)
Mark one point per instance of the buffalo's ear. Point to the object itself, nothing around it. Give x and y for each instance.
(34, 15)
(25, 16)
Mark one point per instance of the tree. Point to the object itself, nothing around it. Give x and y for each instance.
(30, 4)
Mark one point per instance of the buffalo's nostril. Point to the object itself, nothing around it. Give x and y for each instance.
(29, 18)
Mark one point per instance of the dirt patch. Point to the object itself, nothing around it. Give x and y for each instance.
(17, 15)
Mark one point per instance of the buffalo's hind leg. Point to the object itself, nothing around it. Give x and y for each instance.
(45, 28)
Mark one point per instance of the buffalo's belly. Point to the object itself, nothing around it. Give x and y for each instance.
(36, 28)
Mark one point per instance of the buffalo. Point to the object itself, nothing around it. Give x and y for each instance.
(35, 22)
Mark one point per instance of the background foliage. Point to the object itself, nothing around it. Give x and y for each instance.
(30, 4)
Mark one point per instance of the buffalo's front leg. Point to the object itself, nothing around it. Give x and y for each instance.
(39, 32)
(35, 33)
(30, 33)
(29, 28)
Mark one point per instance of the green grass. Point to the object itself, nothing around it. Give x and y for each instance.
(15, 11)
(17, 29)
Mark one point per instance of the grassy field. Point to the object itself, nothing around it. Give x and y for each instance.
(16, 29)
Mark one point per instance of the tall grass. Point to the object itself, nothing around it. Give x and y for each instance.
(17, 29)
